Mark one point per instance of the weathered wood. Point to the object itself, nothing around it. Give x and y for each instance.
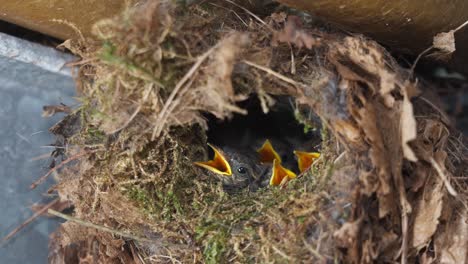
(39, 15)
(408, 26)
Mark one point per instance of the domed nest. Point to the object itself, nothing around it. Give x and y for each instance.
(165, 80)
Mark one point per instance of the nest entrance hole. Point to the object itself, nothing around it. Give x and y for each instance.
(285, 123)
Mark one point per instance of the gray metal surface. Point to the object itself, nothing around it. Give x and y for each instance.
(30, 76)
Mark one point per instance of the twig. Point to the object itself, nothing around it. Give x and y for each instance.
(74, 157)
(313, 250)
(405, 211)
(30, 220)
(40, 157)
(73, 26)
(442, 175)
(230, 10)
(270, 71)
(419, 57)
(338, 159)
(135, 113)
(250, 13)
(162, 115)
(172, 259)
(461, 26)
(281, 253)
(442, 114)
(293, 61)
(404, 240)
(98, 227)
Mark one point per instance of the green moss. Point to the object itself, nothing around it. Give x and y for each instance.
(143, 199)
(324, 133)
(215, 248)
(94, 135)
(213, 236)
(306, 122)
(109, 55)
(169, 205)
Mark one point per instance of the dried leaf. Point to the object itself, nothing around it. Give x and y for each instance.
(293, 33)
(427, 211)
(453, 246)
(408, 127)
(445, 41)
(50, 110)
(348, 236)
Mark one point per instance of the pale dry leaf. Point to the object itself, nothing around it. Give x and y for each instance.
(279, 17)
(294, 34)
(50, 110)
(445, 41)
(387, 84)
(428, 209)
(372, 64)
(408, 127)
(454, 249)
(348, 233)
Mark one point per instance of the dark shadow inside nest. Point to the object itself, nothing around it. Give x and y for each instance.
(284, 122)
(238, 145)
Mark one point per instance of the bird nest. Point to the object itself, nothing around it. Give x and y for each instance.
(390, 182)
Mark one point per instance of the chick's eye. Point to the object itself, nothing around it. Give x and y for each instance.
(242, 170)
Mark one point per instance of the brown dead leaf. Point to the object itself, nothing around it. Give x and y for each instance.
(347, 237)
(427, 211)
(347, 234)
(279, 17)
(408, 127)
(73, 243)
(445, 41)
(50, 110)
(365, 61)
(452, 246)
(294, 34)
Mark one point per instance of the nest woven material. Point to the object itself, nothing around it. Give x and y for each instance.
(384, 188)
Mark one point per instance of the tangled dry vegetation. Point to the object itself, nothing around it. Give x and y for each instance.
(390, 186)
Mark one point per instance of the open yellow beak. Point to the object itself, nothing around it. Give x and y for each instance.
(280, 174)
(305, 159)
(218, 164)
(267, 153)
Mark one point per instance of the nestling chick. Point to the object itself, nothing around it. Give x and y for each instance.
(236, 169)
(241, 169)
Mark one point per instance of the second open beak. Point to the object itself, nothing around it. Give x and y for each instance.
(280, 174)
(305, 159)
(267, 153)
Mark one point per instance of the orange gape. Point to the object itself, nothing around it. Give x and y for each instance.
(280, 174)
(267, 153)
(305, 159)
(218, 164)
